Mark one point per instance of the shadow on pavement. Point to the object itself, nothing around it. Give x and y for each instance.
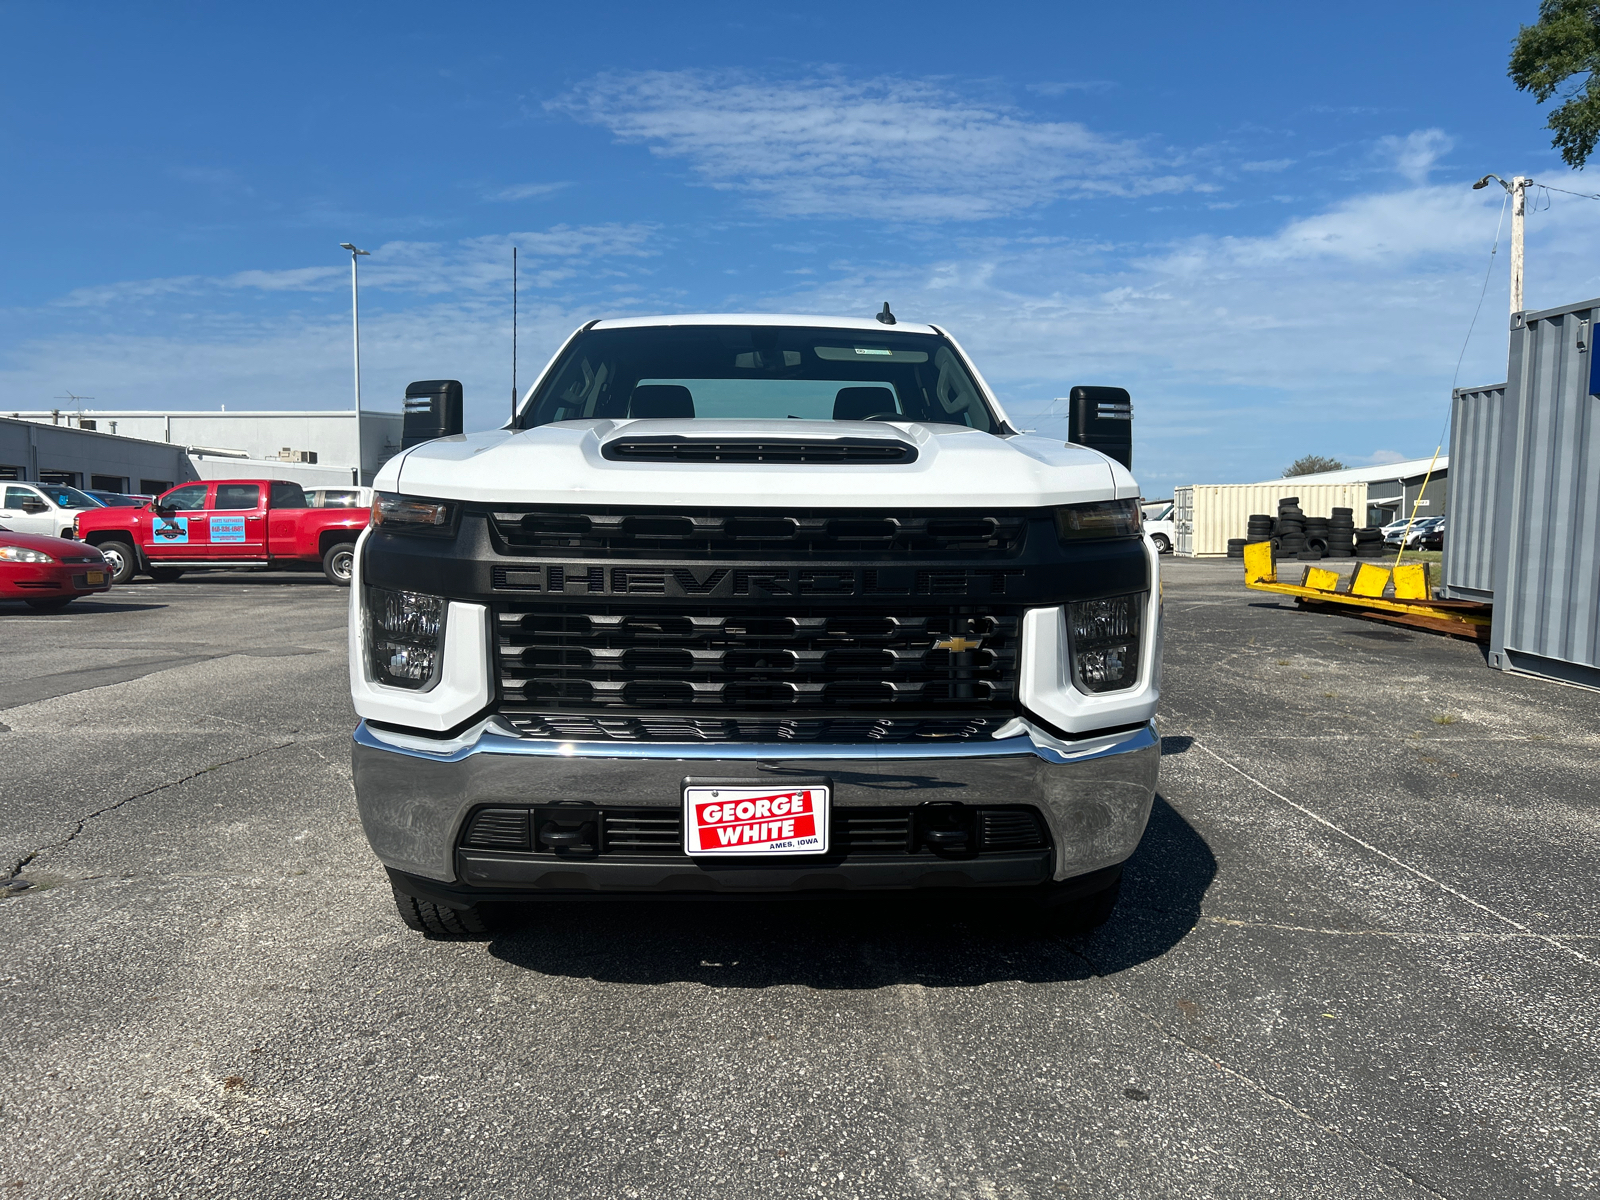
(205, 578)
(868, 940)
(20, 608)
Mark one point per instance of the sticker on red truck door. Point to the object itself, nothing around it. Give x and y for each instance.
(170, 531)
(755, 820)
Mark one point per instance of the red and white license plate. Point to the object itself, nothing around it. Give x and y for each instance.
(755, 820)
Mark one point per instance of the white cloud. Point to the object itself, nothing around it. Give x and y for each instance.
(1326, 335)
(1062, 87)
(1415, 154)
(525, 191)
(887, 148)
(1268, 165)
(1382, 458)
(418, 268)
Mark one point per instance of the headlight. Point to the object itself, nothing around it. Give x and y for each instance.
(20, 554)
(408, 514)
(1105, 642)
(405, 636)
(1103, 519)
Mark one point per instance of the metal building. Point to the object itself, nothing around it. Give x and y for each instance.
(345, 446)
(1546, 544)
(84, 458)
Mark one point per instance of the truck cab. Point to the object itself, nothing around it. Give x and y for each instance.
(754, 604)
(225, 523)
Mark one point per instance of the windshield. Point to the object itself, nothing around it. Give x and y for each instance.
(69, 497)
(763, 371)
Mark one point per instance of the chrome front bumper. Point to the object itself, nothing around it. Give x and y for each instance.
(414, 793)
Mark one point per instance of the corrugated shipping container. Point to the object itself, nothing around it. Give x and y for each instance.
(1547, 535)
(1475, 416)
(1206, 515)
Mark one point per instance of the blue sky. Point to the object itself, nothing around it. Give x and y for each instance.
(1256, 217)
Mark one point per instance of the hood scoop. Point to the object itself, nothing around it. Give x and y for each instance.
(674, 447)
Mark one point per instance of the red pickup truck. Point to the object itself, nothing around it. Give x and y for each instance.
(223, 523)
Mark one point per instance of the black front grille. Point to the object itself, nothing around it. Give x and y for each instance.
(872, 451)
(585, 832)
(576, 531)
(555, 658)
(587, 727)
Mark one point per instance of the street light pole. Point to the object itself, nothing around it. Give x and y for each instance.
(355, 341)
(1517, 189)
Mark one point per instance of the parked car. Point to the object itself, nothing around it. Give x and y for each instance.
(224, 523)
(43, 508)
(1433, 539)
(339, 497)
(1161, 529)
(1412, 539)
(49, 572)
(118, 499)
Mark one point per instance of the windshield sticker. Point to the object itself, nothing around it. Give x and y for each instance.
(227, 529)
(171, 531)
(875, 353)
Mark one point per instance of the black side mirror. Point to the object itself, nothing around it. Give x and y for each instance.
(1101, 418)
(35, 506)
(432, 410)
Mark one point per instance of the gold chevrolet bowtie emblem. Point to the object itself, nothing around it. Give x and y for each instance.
(958, 645)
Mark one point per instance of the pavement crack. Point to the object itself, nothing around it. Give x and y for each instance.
(1401, 934)
(1250, 1081)
(83, 821)
(1399, 862)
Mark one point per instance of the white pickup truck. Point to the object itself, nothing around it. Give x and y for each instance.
(42, 508)
(753, 604)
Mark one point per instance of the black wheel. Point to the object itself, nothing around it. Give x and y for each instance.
(427, 917)
(1163, 544)
(339, 563)
(122, 560)
(51, 604)
(166, 574)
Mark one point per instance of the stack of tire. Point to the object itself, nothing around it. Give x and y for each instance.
(1289, 534)
(1260, 531)
(1369, 542)
(1342, 534)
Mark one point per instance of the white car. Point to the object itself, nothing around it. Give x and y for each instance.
(752, 604)
(1161, 529)
(338, 497)
(1395, 530)
(42, 508)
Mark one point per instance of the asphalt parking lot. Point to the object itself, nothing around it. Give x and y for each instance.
(1357, 952)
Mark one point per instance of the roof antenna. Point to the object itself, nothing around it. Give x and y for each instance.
(886, 316)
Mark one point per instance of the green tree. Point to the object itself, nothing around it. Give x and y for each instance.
(1312, 464)
(1560, 55)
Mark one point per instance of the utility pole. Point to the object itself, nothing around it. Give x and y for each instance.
(1519, 193)
(355, 341)
(1517, 189)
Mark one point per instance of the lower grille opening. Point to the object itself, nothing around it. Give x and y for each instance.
(941, 829)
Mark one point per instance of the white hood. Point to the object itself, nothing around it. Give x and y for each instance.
(562, 463)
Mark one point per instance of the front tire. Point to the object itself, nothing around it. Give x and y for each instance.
(339, 563)
(122, 560)
(1163, 545)
(439, 920)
